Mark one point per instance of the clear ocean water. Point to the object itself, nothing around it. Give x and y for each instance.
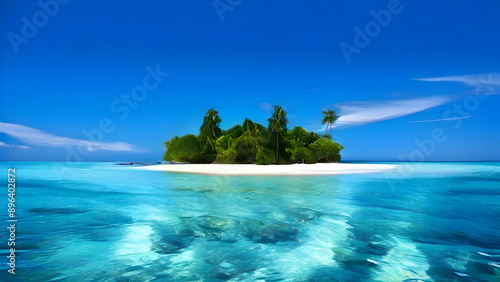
(103, 222)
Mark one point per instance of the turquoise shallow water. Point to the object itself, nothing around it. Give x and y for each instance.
(102, 222)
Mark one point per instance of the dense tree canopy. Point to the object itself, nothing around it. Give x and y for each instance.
(183, 149)
(252, 143)
(209, 131)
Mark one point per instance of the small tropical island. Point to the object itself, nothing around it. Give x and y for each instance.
(253, 143)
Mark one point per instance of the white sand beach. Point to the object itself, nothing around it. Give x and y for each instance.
(293, 169)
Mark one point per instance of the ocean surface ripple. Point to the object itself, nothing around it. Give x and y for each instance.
(101, 222)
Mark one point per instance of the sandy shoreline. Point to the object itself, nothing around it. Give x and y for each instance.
(250, 169)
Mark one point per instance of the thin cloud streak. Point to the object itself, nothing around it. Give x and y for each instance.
(2, 144)
(492, 78)
(40, 138)
(442, 119)
(361, 113)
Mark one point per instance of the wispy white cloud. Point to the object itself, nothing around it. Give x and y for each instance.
(360, 113)
(442, 119)
(265, 106)
(491, 79)
(37, 137)
(315, 127)
(3, 144)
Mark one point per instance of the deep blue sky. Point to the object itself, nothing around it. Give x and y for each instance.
(64, 79)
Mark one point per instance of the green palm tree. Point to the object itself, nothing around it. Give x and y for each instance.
(329, 117)
(211, 122)
(277, 126)
(210, 130)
